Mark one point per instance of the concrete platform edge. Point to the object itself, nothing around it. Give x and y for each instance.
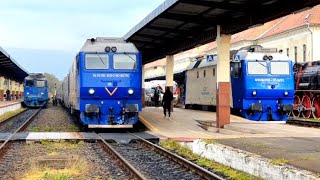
(249, 162)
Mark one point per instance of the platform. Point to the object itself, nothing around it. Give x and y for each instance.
(9, 103)
(7, 106)
(274, 140)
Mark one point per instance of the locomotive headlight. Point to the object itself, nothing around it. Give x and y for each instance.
(28, 93)
(130, 91)
(91, 91)
(42, 93)
(286, 93)
(254, 93)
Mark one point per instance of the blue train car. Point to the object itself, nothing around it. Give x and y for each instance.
(262, 84)
(104, 84)
(35, 90)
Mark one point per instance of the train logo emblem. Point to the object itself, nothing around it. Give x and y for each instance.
(111, 93)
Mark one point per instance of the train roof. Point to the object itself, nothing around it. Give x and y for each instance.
(257, 52)
(38, 76)
(100, 43)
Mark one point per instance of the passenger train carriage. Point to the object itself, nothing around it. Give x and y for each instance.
(262, 83)
(104, 84)
(35, 92)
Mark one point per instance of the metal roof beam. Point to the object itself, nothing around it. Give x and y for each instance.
(221, 5)
(196, 19)
(178, 31)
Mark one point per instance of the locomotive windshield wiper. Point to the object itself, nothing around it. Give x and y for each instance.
(261, 63)
(101, 59)
(129, 56)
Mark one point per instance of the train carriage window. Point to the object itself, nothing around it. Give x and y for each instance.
(29, 83)
(279, 68)
(257, 68)
(124, 61)
(97, 61)
(41, 83)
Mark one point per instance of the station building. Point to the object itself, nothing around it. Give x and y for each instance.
(297, 35)
(11, 77)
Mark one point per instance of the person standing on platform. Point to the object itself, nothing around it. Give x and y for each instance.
(166, 102)
(156, 97)
(8, 95)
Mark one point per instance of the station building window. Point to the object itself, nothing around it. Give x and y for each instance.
(214, 72)
(204, 73)
(288, 52)
(304, 53)
(197, 74)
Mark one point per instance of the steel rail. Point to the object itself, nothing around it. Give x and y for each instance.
(22, 127)
(8, 119)
(307, 123)
(205, 174)
(112, 151)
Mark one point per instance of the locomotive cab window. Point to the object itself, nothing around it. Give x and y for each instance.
(257, 68)
(124, 61)
(29, 83)
(279, 68)
(41, 83)
(97, 61)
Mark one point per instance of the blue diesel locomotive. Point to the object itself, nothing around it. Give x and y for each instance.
(35, 90)
(104, 84)
(262, 84)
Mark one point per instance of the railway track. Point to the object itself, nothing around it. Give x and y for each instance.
(7, 120)
(146, 160)
(22, 127)
(304, 122)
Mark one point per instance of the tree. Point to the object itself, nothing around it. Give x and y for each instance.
(53, 83)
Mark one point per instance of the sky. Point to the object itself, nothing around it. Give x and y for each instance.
(45, 35)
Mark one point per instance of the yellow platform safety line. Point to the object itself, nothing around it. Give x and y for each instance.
(149, 125)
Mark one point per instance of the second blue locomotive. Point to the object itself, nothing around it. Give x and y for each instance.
(35, 90)
(262, 84)
(104, 84)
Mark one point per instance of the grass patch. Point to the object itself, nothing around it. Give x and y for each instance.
(188, 154)
(76, 169)
(310, 158)
(53, 153)
(73, 128)
(260, 145)
(279, 161)
(53, 146)
(35, 129)
(209, 141)
(10, 114)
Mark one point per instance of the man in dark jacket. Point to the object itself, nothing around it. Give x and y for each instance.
(8, 95)
(166, 102)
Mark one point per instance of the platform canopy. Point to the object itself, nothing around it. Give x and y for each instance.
(9, 68)
(179, 25)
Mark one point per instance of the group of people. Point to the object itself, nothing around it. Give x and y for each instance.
(166, 100)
